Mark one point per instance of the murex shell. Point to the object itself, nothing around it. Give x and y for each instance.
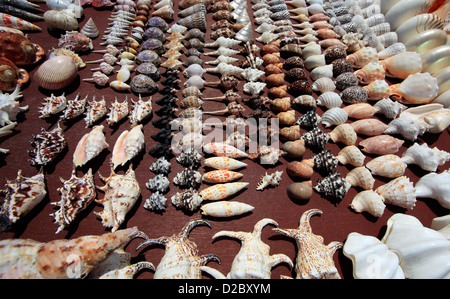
(47, 145)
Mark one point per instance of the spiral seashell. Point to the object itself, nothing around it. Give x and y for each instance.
(360, 177)
(56, 73)
(60, 20)
(127, 146)
(370, 72)
(377, 90)
(324, 162)
(389, 108)
(399, 192)
(333, 186)
(300, 169)
(360, 110)
(89, 146)
(353, 41)
(314, 61)
(311, 50)
(196, 20)
(417, 24)
(427, 158)
(381, 145)
(334, 116)
(389, 166)
(388, 39)
(305, 100)
(427, 40)
(362, 57)
(315, 138)
(402, 65)
(369, 127)
(343, 133)
(368, 201)
(435, 60)
(419, 88)
(392, 50)
(90, 29)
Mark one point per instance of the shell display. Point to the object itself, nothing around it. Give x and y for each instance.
(225, 163)
(56, 73)
(351, 155)
(329, 99)
(405, 126)
(370, 72)
(332, 186)
(389, 108)
(377, 90)
(325, 161)
(53, 105)
(221, 176)
(221, 191)
(360, 111)
(427, 158)
(95, 111)
(127, 146)
(434, 185)
(389, 166)
(362, 57)
(368, 201)
(267, 180)
(188, 200)
(381, 145)
(49, 260)
(399, 192)
(181, 259)
(244, 264)
(21, 195)
(47, 145)
(224, 150)
(117, 112)
(419, 88)
(121, 193)
(77, 193)
(75, 108)
(314, 258)
(360, 177)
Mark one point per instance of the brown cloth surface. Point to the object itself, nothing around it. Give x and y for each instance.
(336, 222)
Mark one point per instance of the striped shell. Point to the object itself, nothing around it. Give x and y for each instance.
(56, 73)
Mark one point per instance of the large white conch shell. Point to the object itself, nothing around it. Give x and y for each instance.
(419, 88)
(423, 252)
(436, 186)
(402, 65)
(371, 259)
(427, 158)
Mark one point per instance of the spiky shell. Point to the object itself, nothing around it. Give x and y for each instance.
(74, 108)
(390, 166)
(325, 161)
(221, 191)
(76, 195)
(53, 105)
(159, 183)
(316, 138)
(95, 111)
(47, 145)
(368, 201)
(161, 166)
(223, 163)
(363, 56)
(89, 146)
(128, 145)
(427, 158)
(267, 180)
(360, 177)
(188, 200)
(399, 192)
(333, 186)
(314, 258)
(140, 110)
(21, 195)
(121, 193)
(188, 178)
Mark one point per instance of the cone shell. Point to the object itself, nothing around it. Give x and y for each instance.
(360, 111)
(221, 176)
(224, 150)
(369, 126)
(368, 201)
(225, 209)
(300, 169)
(381, 145)
(399, 192)
(389, 166)
(223, 163)
(360, 177)
(221, 191)
(56, 73)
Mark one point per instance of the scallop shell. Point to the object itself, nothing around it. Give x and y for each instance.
(76, 195)
(56, 73)
(399, 192)
(360, 177)
(427, 158)
(377, 90)
(381, 145)
(370, 72)
(127, 146)
(47, 145)
(221, 191)
(351, 155)
(362, 57)
(334, 116)
(368, 201)
(21, 196)
(90, 146)
(389, 166)
(369, 126)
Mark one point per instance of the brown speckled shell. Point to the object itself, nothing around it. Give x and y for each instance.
(300, 87)
(354, 94)
(296, 74)
(293, 62)
(334, 52)
(345, 80)
(340, 66)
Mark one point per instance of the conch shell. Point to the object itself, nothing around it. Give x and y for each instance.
(127, 146)
(435, 185)
(402, 65)
(89, 146)
(419, 88)
(314, 258)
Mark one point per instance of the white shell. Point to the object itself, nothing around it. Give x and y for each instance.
(90, 29)
(402, 65)
(399, 192)
(360, 177)
(127, 146)
(225, 69)
(254, 87)
(323, 85)
(371, 258)
(225, 42)
(251, 74)
(334, 116)
(407, 127)
(315, 61)
(423, 252)
(405, 9)
(435, 60)
(436, 186)
(90, 146)
(368, 201)
(225, 208)
(310, 50)
(419, 88)
(9, 106)
(222, 51)
(60, 20)
(329, 99)
(427, 158)
(140, 110)
(194, 70)
(267, 37)
(389, 108)
(392, 50)
(427, 40)
(417, 24)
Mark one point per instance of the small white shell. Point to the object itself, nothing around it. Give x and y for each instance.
(323, 85)
(368, 201)
(322, 71)
(334, 116)
(405, 126)
(329, 99)
(436, 186)
(314, 61)
(254, 87)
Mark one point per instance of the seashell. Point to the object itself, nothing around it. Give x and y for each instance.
(290, 50)
(299, 191)
(370, 72)
(11, 21)
(427, 40)
(314, 259)
(381, 28)
(377, 90)
(389, 166)
(267, 37)
(391, 51)
(161, 166)
(351, 155)
(281, 104)
(341, 66)
(280, 15)
(75, 41)
(323, 85)
(290, 63)
(343, 133)
(225, 69)
(90, 146)
(437, 121)
(117, 111)
(322, 71)
(196, 20)
(435, 186)
(60, 20)
(267, 180)
(141, 84)
(326, 33)
(95, 111)
(359, 111)
(21, 196)
(221, 191)
(362, 57)
(369, 126)
(253, 87)
(44, 260)
(56, 73)
(417, 24)
(166, 12)
(360, 177)
(396, 67)
(324, 162)
(225, 209)
(188, 178)
(329, 99)
(251, 74)
(52, 105)
(334, 52)
(388, 108)
(399, 192)
(90, 29)
(199, 7)
(311, 50)
(189, 158)
(315, 138)
(221, 176)
(309, 120)
(331, 42)
(98, 78)
(224, 163)
(156, 202)
(427, 158)
(121, 193)
(353, 41)
(299, 169)
(315, 61)
(360, 248)
(290, 133)
(188, 200)
(381, 145)
(267, 155)
(127, 146)
(405, 126)
(388, 39)
(354, 94)
(47, 145)
(222, 51)
(435, 60)
(224, 42)
(287, 117)
(346, 80)
(334, 116)
(19, 49)
(368, 201)
(76, 195)
(305, 100)
(224, 150)
(332, 186)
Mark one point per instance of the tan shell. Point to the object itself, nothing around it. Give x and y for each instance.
(351, 155)
(360, 110)
(369, 126)
(360, 177)
(344, 133)
(368, 201)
